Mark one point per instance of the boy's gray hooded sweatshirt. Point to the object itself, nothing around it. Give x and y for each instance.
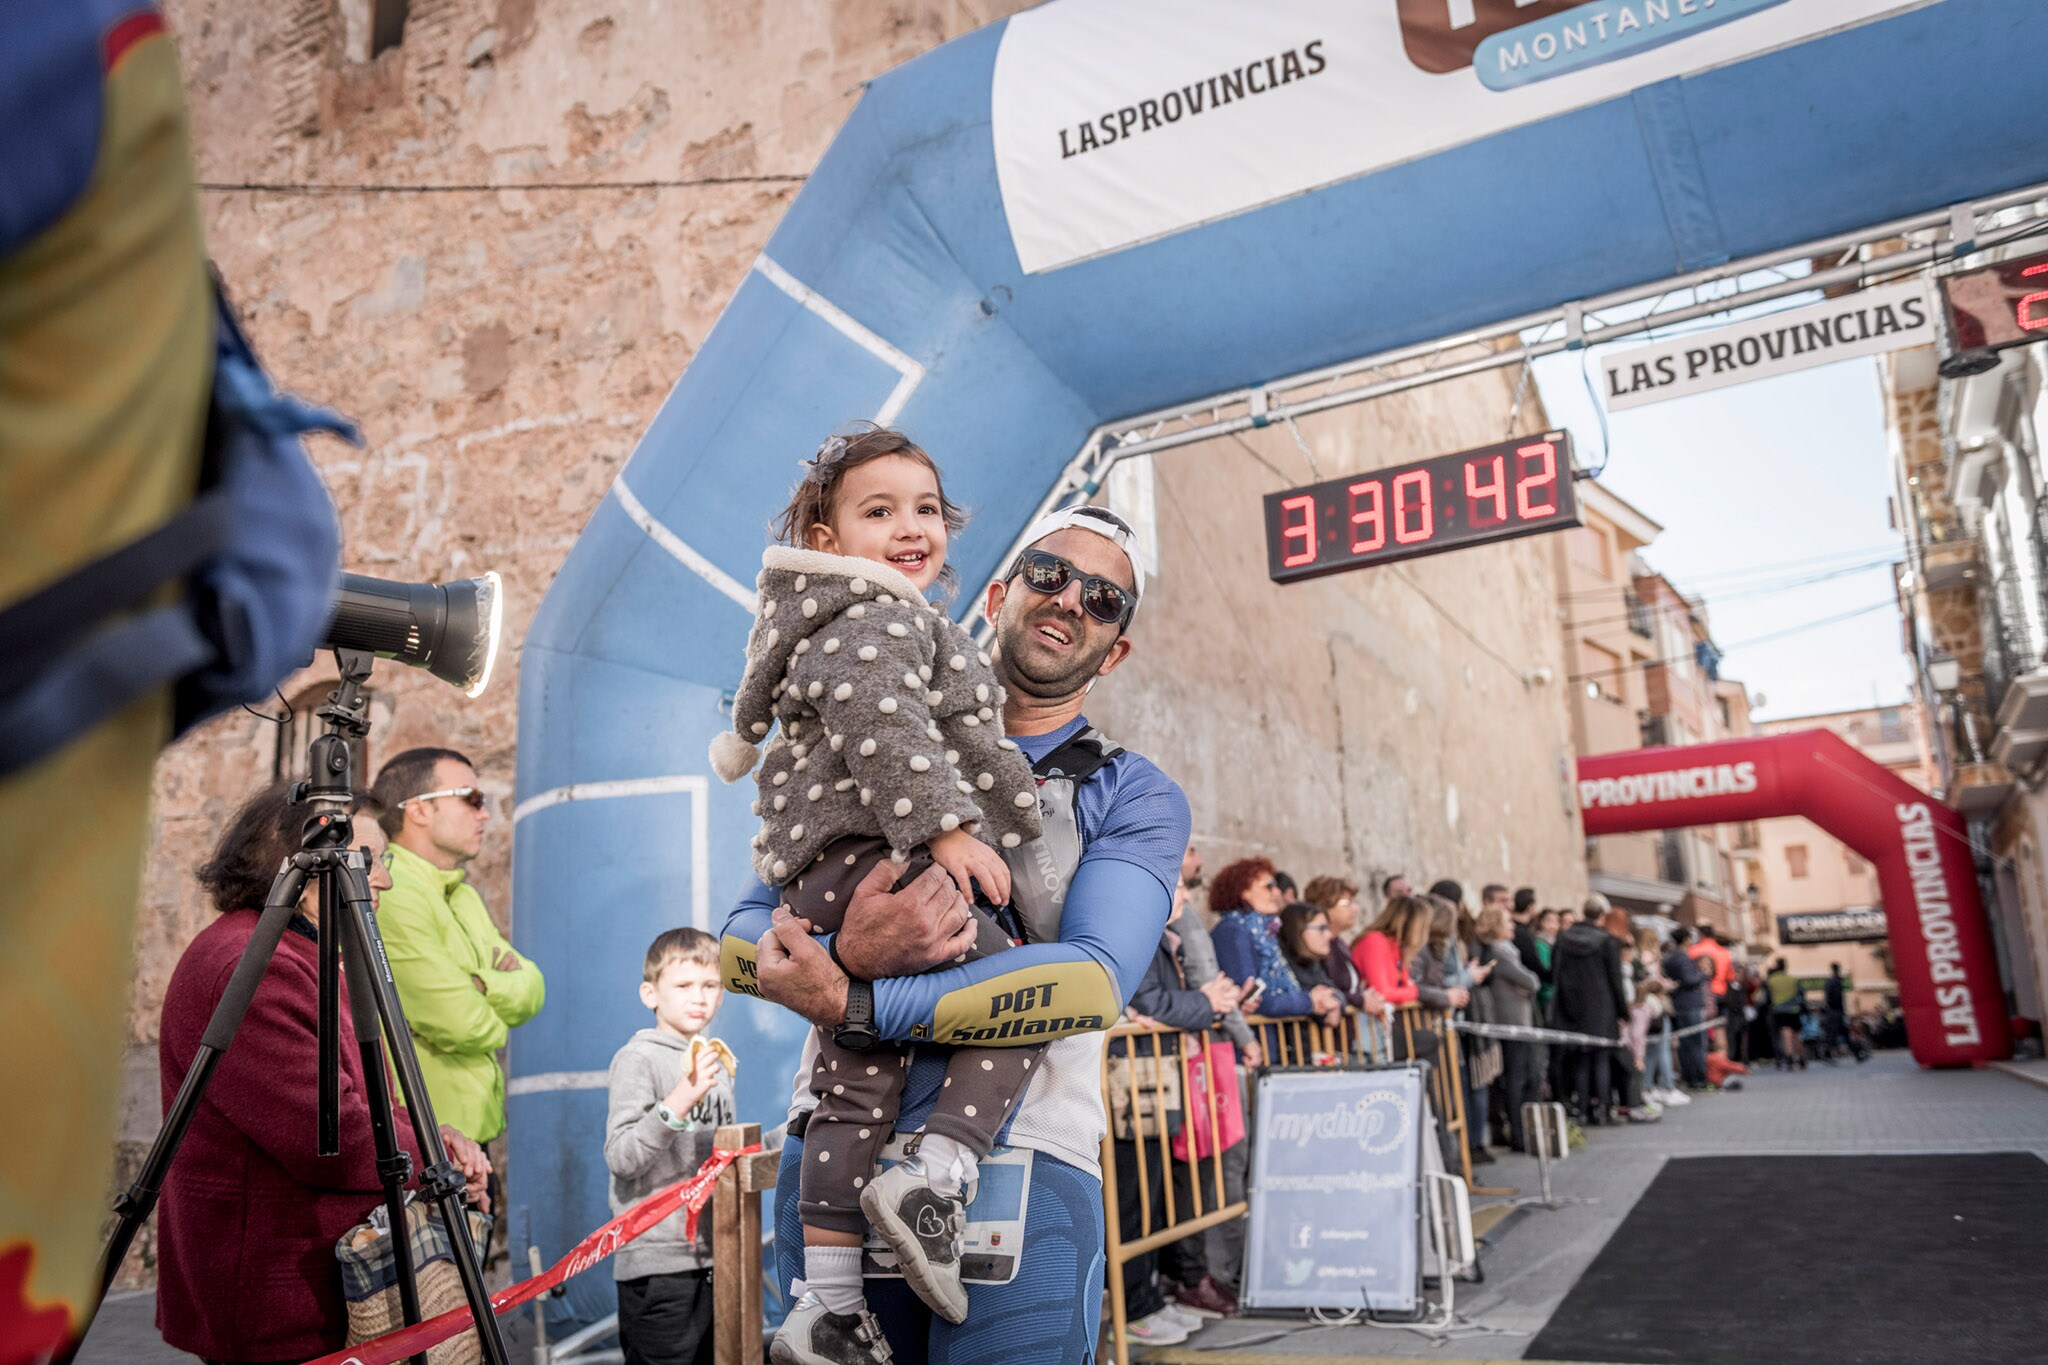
(644, 1154)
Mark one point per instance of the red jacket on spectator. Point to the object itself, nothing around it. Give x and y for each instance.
(1379, 961)
(250, 1216)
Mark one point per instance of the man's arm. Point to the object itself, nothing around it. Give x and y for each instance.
(749, 920)
(1114, 914)
(898, 932)
(517, 990)
(443, 1007)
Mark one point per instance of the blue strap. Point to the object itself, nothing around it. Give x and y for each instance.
(91, 684)
(38, 630)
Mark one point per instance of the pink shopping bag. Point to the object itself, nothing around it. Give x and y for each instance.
(1195, 1132)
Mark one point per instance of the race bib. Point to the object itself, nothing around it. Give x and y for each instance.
(994, 1235)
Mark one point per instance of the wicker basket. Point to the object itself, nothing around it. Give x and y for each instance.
(370, 1281)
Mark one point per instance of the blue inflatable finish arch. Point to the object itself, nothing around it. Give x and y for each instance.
(892, 291)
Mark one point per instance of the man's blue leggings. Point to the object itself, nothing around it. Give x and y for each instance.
(1050, 1314)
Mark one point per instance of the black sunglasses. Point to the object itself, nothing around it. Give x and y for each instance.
(1108, 602)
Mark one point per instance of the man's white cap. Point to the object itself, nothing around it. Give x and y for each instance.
(1104, 523)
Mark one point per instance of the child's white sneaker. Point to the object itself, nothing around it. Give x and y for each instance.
(923, 1228)
(811, 1335)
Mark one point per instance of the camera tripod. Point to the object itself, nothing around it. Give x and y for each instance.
(350, 948)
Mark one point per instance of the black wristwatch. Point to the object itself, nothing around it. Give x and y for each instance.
(857, 1033)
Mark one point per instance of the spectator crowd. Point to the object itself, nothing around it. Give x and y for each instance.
(1246, 952)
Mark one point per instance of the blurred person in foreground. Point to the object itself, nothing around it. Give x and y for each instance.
(250, 1215)
(1184, 1265)
(106, 359)
(1156, 1314)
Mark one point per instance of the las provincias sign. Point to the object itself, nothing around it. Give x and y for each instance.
(1868, 322)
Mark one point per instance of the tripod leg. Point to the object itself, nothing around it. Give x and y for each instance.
(394, 1166)
(133, 1207)
(371, 993)
(327, 1122)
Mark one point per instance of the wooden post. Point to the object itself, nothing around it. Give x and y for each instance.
(736, 1251)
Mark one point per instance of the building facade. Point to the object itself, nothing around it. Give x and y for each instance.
(495, 232)
(1646, 675)
(1971, 491)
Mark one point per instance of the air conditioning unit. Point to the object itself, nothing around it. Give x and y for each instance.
(2025, 704)
(2018, 750)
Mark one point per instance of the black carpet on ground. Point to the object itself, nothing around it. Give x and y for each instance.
(1849, 1260)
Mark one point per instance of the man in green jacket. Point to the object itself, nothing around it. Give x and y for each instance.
(463, 986)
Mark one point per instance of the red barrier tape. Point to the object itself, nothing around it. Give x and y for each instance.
(689, 1195)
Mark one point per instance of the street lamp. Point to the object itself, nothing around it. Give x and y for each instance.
(1944, 673)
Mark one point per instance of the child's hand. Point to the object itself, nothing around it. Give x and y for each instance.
(969, 860)
(696, 1083)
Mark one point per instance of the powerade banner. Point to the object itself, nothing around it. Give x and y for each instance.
(1336, 1189)
(1119, 121)
(1859, 924)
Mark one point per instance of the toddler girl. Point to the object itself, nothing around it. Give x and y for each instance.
(887, 743)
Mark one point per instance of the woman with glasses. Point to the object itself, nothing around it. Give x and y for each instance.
(1247, 901)
(250, 1212)
(1305, 940)
(1338, 900)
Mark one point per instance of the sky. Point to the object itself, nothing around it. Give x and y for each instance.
(1772, 495)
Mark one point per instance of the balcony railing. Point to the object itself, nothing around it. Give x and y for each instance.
(1640, 620)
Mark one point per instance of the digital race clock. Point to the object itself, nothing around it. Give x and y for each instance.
(1516, 488)
(1998, 305)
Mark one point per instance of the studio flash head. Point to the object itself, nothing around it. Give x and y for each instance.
(449, 629)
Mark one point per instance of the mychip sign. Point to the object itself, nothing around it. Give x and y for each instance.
(1867, 322)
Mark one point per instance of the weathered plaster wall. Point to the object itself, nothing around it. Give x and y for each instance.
(1371, 722)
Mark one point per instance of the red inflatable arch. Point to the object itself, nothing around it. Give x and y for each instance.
(1941, 941)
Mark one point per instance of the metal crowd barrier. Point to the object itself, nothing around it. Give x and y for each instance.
(1158, 1083)
(1147, 1100)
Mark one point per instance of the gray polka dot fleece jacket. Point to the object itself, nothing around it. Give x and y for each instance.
(886, 719)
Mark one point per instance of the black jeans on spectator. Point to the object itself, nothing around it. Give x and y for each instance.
(1591, 1071)
(1521, 1083)
(1692, 1048)
(1187, 1261)
(1142, 1297)
(1735, 1027)
(666, 1319)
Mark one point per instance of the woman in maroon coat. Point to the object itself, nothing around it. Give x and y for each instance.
(249, 1216)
